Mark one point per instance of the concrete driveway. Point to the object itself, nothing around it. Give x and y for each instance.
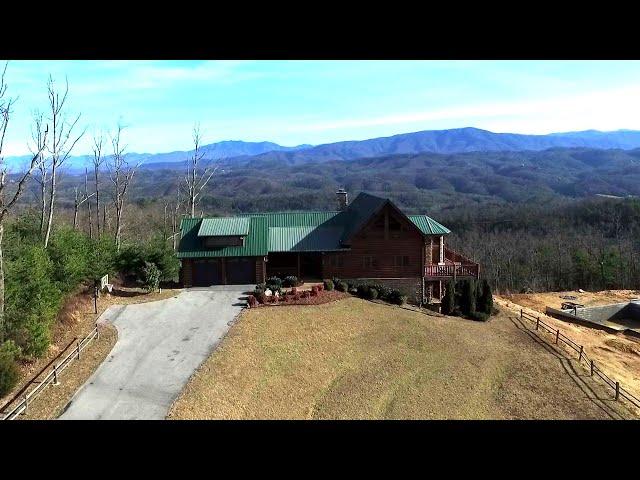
(160, 345)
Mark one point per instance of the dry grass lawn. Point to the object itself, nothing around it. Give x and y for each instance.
(354, 359)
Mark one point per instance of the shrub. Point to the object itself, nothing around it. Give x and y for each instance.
(151, 277)
(33, 298)
(261, 286)
(396, 297)
(335, 281)
(372, 294)
(296, 297)
(252, 301)
(383, 291)
(328, 285)
(290, 281)
(285, 298)
(305, 294)
(70, 254)
(320, 287)
(314, 291)
(342, 286)
(294, 290)
(363, 291)
(485, 299)
(9, 373)
(449, 299)
(468, 298)
(274, 283)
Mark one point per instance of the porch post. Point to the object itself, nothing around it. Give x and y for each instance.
(441, 249)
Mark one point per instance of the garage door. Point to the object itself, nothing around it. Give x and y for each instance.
(207, 272)
(241, 271)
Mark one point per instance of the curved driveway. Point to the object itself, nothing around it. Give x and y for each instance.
(160, 344)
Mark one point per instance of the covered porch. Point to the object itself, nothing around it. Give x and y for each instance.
(304, 265)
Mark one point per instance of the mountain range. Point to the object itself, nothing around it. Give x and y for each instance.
(450, 141)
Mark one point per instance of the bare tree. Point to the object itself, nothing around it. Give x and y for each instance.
(199, 172)
(5, 206)
(62, 143)
(98, 160)
(39, 140)
(121, 175)
(79, 199)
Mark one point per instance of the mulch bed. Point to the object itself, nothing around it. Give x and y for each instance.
(322, 297)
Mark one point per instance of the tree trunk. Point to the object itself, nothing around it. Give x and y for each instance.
(43, 213)
(75, 216)
(97, 204)
(2, 321)
(52, 197)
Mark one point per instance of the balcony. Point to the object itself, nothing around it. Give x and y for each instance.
(455, 266)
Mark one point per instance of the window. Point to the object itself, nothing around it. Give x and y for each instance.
(400, 261)
(369, 262)
(337, 261)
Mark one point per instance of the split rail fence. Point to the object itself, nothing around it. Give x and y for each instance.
(561, 339)
(56, 368)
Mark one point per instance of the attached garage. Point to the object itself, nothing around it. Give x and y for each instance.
(207, 271)
(240, 270)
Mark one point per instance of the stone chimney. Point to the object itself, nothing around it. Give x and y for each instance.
(342, 199)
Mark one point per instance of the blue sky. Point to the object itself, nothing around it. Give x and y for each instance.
(294, 102)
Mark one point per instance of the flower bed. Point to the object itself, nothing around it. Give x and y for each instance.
(305, 297)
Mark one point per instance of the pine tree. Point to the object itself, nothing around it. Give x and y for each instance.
(449, 299)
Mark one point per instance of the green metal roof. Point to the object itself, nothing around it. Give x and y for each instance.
(289, 231)
(224, 226)
(304, 239)
(428, 225)
(255, 244)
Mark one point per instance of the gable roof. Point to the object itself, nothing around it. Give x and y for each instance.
(224, 226)
(291, 231)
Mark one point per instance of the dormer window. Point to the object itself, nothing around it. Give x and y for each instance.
(223, 232)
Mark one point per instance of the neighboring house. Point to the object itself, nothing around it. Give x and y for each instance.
(368, 239)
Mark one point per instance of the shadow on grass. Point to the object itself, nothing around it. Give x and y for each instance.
(577, 377)
(126, 293)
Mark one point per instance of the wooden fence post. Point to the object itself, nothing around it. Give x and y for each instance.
(26, 404)
(557, 335)
(78, 348)
(55, 374)
(97, 332)
(520, 313)
(581, 349)
(537, 323)
(617, 390)
(592, 368)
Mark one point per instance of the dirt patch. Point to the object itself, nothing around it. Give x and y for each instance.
(540, 301)
(354, 359)
(622, 346)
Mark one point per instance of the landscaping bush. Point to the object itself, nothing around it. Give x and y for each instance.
(328, 285)
(383, 290)
(252, 301)
(396, 297)
(305, 294)
(290, 281)
(314, 291)
(363, 291)
(296, 297)
(151, 277)
(468, 298)
(294, 290)
(372, 294)
(274, 283)
(320, 287)
(485, 299)
(9, 373)
(342, 286)
(448, 301)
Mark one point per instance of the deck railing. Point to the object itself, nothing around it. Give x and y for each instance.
(452, 270)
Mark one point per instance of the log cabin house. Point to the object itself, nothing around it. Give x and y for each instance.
(369, 239)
